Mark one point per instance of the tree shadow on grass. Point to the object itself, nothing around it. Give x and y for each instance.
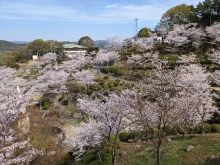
(214, 161)
(181, 138)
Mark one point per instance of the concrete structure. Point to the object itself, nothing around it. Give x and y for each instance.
(73, 49)
(148, 39)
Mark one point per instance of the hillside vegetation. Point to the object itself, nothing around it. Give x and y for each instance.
(8, 46)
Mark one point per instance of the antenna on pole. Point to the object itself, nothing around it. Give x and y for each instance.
(136, 21)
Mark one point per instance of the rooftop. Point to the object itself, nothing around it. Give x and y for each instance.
(73, 46)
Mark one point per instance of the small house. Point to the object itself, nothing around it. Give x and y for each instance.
(73, 49)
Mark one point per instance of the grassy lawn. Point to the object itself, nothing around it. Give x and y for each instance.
(206, 151)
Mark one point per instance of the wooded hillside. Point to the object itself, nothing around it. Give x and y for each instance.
(8, 46)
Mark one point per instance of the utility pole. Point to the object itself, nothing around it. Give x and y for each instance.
(136, 21)
(37, 61)
(54, 47)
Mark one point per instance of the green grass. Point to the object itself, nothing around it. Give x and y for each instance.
(174, 153)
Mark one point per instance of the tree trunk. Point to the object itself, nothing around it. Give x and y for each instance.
(158, 151)
(158, 156)
(203, 128)
(113, 157)
(87, 89)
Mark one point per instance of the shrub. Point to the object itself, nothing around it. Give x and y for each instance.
(111, 84)
(105, 86)
(106, 77)
(134, 135)
(169, 130)
(183, 129)
(116, 83)
(105, 69)
(124, 136)
(151, 133)
(117, 80)
(13, 65)
(90, 92)
(138, 75)
(216, 117)
(148, 67)
(102, 82)
(140, 67)
(112, 69)
(197, 129)
(88, 157)
(207, 128)
(112, 89)
(65, 102)
(215, 128)
(120, 72)
(98, 79)
(107, 145)
(65, 159)
(95, 87)
(76, 90)
(45, 104)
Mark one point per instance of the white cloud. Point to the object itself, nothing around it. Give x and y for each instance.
(112, 6)
(110, 13)
(34, 11)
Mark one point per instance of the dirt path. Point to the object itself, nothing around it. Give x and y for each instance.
(216, 88)
(25, 66)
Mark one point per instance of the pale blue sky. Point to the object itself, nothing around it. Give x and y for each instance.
(68, 20)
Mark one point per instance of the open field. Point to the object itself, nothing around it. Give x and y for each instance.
(206, 151)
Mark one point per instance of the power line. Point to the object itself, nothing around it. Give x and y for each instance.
(126, 32)
(110, 29)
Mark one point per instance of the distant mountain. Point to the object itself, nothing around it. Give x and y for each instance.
(6, 46)
(19, 42)
(68, 42)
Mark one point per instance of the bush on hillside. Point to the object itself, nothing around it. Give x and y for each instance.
(105, 69)
(124, 136)
(215, 128)
(106, 77)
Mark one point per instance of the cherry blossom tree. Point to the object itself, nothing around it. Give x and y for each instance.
(216, 77)
(106, 56)
(193, 77)
(8, 78)
(86, 77)
(87, 135)
(187, 58)
(149, 57)
(195, 83)
(214, 55)
(145, 45)
(49, 57)
(11, 105)
(127, 43)
(213, 31)
(155, 104)
(113, 43)
(51, 81)
(184, 33)
(75, 63)
(108, 116)
(134, 59)
(172, 98)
